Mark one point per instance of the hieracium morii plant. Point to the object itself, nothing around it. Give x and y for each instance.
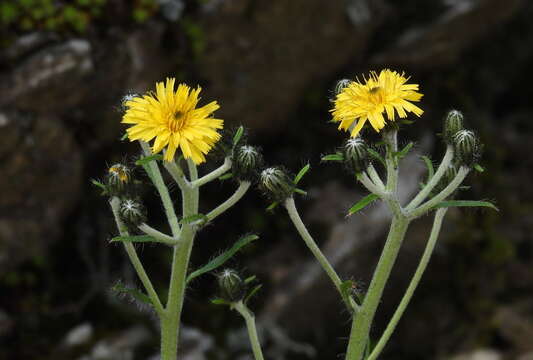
(175, 133)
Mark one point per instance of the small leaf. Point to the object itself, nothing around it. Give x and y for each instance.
(222, 258)
(346, 288)
(146, 159)
(465, 203)
(98, 184)
(250, 279)
(135, 293)
(361, 204)
(300, 191)
(429, 165)
(225, 176)
(134, 238)
(373, 153)
(238, 135)
(201, 218)
(272, 206)
(219, 301)
(252, 293)
(401, 154)
(124, 137)
(406, 122)
(301, 173)
(333, 157)
(479, 168)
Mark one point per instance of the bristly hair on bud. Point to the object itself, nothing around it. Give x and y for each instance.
(276, 184)
(119, 177)
(467, 148)
(128, 97)
(231, 286)
(247, 160)
(133, 213)
(453, 123)
(355, 155)
(341, 85)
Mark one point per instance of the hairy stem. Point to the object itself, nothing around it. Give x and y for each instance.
(315, 250)
(423, 194)
(215, 174)
(249, 318)
(232, 200)
(363, 319)
(430, 246)
(134, 258)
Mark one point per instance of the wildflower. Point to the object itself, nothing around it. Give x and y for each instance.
(171, 117)
(386, 92)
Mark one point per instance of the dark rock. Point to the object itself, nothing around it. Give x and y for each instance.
(41, 167)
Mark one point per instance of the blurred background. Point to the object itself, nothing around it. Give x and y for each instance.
(272, 65)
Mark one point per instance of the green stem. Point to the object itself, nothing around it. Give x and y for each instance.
(158, 235)
(134, 258)
(371, 186)
(448, 190)
(163, 192)
(315, 250)
(215, 174)
(170, 324)
(362, 321)
(423, 194)
(437, 223)
(391, 140)
(376, 179)
(249, 318)
(232, 200)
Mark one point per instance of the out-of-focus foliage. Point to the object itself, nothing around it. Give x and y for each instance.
(65, 16)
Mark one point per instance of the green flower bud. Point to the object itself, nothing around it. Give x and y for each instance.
(467, 148)
(118, 179)
(232, 288)
(341, 85)
(355, 153)
(453, 123)
(246, 162)
(132, 212)
(276, 184)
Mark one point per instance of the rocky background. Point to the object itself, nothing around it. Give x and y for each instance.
(64, 66)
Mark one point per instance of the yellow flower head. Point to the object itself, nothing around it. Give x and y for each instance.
(171, 117)
(381, 94)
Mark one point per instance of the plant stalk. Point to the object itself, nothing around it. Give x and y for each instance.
(363, 319)
(249, 318)
(430, 246)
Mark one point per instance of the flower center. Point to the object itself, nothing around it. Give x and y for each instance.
(376, 95)
(176, 121)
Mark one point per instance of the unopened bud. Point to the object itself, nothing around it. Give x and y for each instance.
(232, 288)
(276, 184)
(453, 123)
(341, 85)
(132, 212)
(355, 154)
(125, 99)
(246, 162)
(118, 178)
(467, 148)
